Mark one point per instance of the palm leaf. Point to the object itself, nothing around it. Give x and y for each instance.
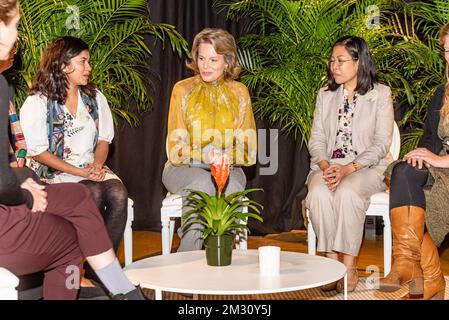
(284, 60)
(115, 30)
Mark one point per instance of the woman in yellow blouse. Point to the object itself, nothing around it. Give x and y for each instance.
(210, 114)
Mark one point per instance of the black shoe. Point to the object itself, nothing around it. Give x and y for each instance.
(135, 294)
(93, 293)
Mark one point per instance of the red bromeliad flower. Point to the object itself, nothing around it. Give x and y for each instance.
(220, 172)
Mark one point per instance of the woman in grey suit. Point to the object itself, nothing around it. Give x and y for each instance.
(349, 147)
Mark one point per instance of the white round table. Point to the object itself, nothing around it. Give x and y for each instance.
(188, 272)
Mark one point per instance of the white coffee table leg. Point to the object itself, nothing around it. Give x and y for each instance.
(346, 287)
(158, 294)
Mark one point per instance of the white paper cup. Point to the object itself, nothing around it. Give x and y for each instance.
(269, 260)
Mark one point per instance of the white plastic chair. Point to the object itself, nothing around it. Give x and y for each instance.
(171, 209)
(8, 284)
(380, 206)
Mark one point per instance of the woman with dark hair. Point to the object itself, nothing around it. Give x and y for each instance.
(68, 127)
(419, 202)
(349, 147)
(49, 228)
(210, 114)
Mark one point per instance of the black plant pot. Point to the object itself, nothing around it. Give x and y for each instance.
(219, 250)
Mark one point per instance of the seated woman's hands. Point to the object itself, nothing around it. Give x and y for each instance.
(38, 193)
(94, 172)
(220, 159)
(213, 155)
(335, 173)
(422, 156)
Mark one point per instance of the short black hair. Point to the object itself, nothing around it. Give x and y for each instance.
(366, 73)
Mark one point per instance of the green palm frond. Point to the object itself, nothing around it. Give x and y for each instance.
(115, 30)
(409, 141)
(421, 62)
(285, 60)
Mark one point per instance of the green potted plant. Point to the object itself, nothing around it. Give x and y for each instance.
(221, 216)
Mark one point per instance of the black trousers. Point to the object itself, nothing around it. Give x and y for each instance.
(406, 186)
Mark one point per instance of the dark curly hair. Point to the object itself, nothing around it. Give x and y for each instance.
(366, 73)
(7, 8)
(50, 80)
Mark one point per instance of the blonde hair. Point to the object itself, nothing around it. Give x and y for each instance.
(7, 8)
(224, 44)
(444, 32)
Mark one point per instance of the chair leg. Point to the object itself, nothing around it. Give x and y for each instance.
(128, 235)
(165, 237)
(172, 231)
(387, 246)
(243, 240)
(311, 237)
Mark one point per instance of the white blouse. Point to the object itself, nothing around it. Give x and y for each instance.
(79, 132)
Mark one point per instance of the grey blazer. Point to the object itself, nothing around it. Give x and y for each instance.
(372, 127)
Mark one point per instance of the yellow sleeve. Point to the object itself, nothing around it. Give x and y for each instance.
(246, 135)
(178, 139)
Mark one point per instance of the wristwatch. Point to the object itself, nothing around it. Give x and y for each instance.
(355, 165)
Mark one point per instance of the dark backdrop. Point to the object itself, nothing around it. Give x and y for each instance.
(138, 154)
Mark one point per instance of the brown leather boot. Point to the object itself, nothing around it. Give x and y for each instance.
(407, 223)
(434, 283)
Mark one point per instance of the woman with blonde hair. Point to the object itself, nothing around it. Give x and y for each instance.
(419, 198)
(210, 115)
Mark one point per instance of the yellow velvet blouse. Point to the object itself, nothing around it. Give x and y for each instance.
(211, 115)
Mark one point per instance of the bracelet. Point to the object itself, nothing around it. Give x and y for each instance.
(355, 165)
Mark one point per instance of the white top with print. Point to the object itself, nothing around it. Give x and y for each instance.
(79, 132)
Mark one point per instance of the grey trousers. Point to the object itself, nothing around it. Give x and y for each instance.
(338, 217)
(177, 179)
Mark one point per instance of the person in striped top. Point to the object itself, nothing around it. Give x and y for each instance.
(17, 146)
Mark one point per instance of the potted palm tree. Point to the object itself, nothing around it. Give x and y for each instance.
(222, 217)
